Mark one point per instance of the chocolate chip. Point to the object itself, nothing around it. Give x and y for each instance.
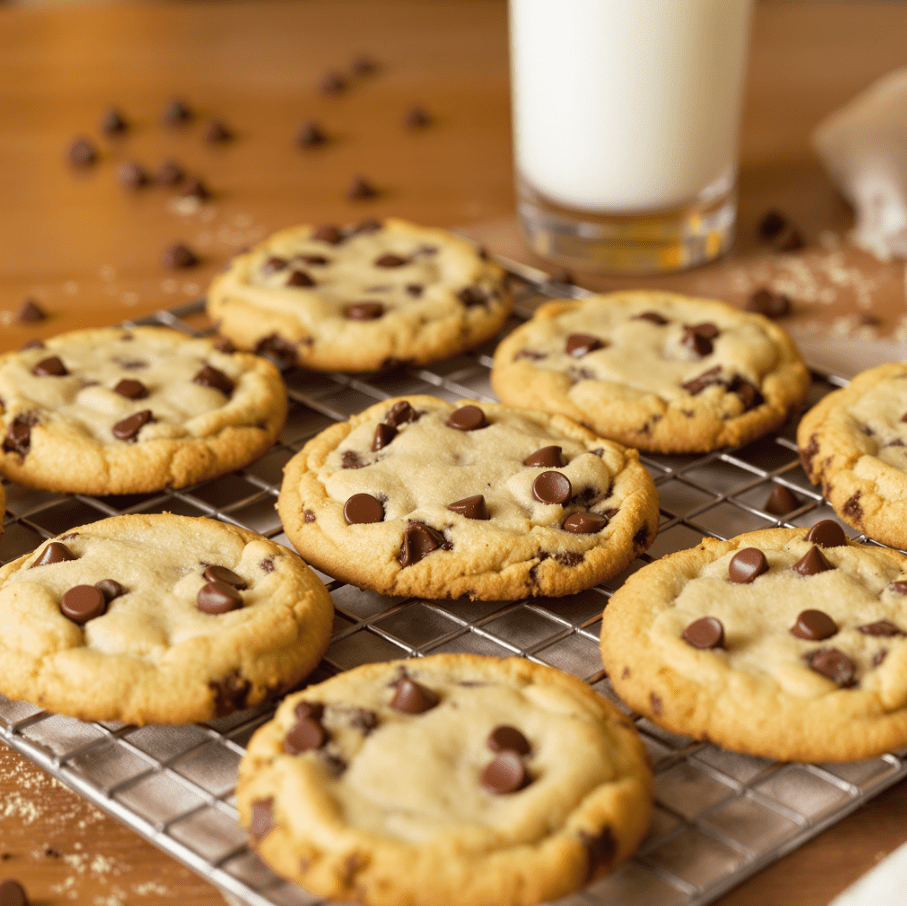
(546, 458)
(360, 189)
(652, 316)
(110, 588)
(749, 394)
(506, 774)
(300, 278)
(305, 735)
(350, 459)
(363, 509)
(196, 190)
(179, 256)
(83, 603)
(218, 131)
(364, 65)
(467, 418)
(899, 587)
(708, 378)
(131, 389)
(746, 565)
(312, 259)
(277, 348)
(881, 628)
(389, 260)
(261, 817)
(814, 625)
(775, 229)
(34, 344)
(827, 533)
(600, 849)
(50, 367)
(472, 296)
(364, 311)
(585, 523)
(852, 507)
(705, 633)
(767, 303)
(328, 233)
(311, 135)
(580, 344)
(114, 123)
(419, 540)
(129, 427)
(177, 112)
(505, 738)
(332, 83)
(369, 225)
(414, 289)
(834, 664)
(12, 893)
(170, 173)
(82, 153)
(781, 501)
(812, 562)
(471, 507)
(209, 376)
(55, 552)
(384, 434)
(217, 598)
(698, 338)
(216, 573)
(411, 697)
(133, 175)
(552, 487)
(400, 414)
(30, 313)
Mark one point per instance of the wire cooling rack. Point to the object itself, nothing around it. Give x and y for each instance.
(719, 817)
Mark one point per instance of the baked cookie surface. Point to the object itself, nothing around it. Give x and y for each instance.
(853, 443)
(117, 411)
(360, 298)
(784, 643)
(418, 496)
(658, 371)
(158, 619)
(446, 779)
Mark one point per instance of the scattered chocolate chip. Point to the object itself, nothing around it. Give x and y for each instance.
(852, 507)
(209, 376)
(261, 817)
(881, 628)
(411, 697)
(384, 434)
(50, 367)
(299, 278)
(114, 123)
(360, 189)
(217, 598)
(83, 603)
(178, 256)
(218, 131)
(471, 507)
(775, 229)
(129, 427)
(400, 414)
(311, 135)
(417, 118)
(55, 552)
(653, 317)
(196, 190)
(546, 458)
(698, 338)
(364, 311)
(781, 501)
(350, 459)
(812, 562)
(82, 153)
(133, 175)
(708, 378)
(580, 344)
(363, 509)
(170, 173)
(506, 774)
(552, 488)
(467, 418)
(30, 312)
(472, 296)
(177, 112)
(305, 735)
(131, 389)
(749, 394)
(585, 523)
(746, 565)
(307, 709)
(390, 260)
(110, 588)
(12, 893)
(827, 533)
(277, 348)
(333, 83)
(770, 304)
(834, 664)
(312, 259)
(814, 625)
(506, 738)
(705, 633)
(601, 850)
(419, 540)
(18, 434)
(216, 573)
(328, 233)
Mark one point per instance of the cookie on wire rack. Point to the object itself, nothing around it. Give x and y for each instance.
(446, 779)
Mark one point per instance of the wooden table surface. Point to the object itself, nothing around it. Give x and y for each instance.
(88, 249)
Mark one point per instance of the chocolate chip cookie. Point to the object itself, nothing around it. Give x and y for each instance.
(417, 496)
(361, 297)
(658, 371)
(121, 411)
(446, 779)
(158, 619)
(790, 644)
(854, 443)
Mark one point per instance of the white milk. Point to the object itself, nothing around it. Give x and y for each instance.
(624, 106)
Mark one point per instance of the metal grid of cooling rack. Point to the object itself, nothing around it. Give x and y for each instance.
(719, 817)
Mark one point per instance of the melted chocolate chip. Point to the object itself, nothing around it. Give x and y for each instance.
(506, 774)
(389, 260)
(311, 135)
(827, 533)
(709, 378)
(350, 459)
(767, 303)
(653, 317)
(222, 574)
(698, 338)
(812, 562)
(52, 366)
(814, 625)
(18, 434)
(363, 509)
(83, 603)
(305, 735)
(419, 540)
(384, 434)
(467, 418)
(55, 552)
(218, 597)
(131, 389)
(261, 818)
(400, 414)
(411, 697)
(277, 348)
(749, 393)
(600, 849)
(110, 588)
(834, 664)
(746, 565)
(129, 427)
(585, 523)
(899, 587)
(471, 507)
(781, 501)
(546, 458)
(30, 313)
(179, 256)
(364, 311)
(299, 278)
(705, 633)
(209, 376)
(472, 296)
(881, 629)
(505, 738)
(580, 344)
(552, 487)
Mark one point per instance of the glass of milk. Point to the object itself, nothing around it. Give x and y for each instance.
(626, 116)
